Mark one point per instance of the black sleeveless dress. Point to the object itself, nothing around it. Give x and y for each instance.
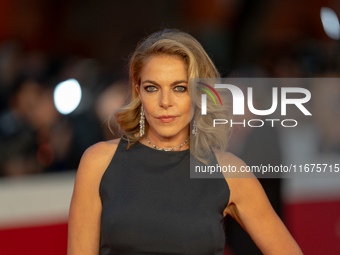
(152, 206)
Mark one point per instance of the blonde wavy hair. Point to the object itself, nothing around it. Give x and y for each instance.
(199, 65)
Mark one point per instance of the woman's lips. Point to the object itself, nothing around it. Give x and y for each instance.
(166, 118)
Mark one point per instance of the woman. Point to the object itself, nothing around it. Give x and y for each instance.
(134, 195)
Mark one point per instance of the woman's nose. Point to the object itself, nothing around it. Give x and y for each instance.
(166, 99)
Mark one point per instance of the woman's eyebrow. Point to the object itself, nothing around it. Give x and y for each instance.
(172, 84)
(150, 81)
(178, 82)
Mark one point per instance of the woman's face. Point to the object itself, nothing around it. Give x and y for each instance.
(163, 91)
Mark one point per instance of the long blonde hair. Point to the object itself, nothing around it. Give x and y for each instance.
(174, 43)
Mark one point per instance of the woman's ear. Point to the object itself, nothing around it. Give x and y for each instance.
(137, 89)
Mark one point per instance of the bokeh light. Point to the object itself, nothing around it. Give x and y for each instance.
(330, 23)
(67, 96)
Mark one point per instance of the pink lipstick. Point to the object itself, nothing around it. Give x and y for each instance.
(166, 118)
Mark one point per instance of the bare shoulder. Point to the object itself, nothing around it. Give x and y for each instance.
(236, 166)
(101, 150)
(239, 181)
(226, 158)
(96, 158)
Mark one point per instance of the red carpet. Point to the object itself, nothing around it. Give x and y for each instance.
(42, 240)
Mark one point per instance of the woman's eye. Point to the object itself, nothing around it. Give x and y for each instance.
(150, 88)
(180, 88)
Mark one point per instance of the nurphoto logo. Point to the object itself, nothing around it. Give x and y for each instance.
(238, 99)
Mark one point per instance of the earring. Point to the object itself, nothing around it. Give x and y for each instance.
(141, 122)
(194, 130)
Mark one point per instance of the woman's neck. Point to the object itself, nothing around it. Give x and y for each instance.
(167, 141)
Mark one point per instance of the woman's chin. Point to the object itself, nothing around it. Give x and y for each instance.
(170, 132)
(167, 134)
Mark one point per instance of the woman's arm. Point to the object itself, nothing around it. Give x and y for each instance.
(250, 206)
(86, 207)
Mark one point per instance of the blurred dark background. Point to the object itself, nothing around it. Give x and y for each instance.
(46, 42)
